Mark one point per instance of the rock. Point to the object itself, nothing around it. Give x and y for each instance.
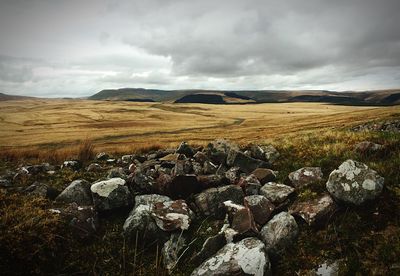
(213, 180)
(36, 169)
(128, 158)
(78, 191)
(260, 207)
(247, 257)
(271, 154)
(142, 182)
(102, 156)
(315, 210)
(279, 233)
(210, 247)
(233, 174)
(141, 220)
(250, 185)
(182, 167)
(276, 192)
(5, 183)
(170, 157)
(200, 157)
(183, 186)
(257, 152)
(132, 168)
(367, 147)
(94, 167)
(245, 163)
(42, 190)
(210, 201)
(209, 167)
(82, 220)
(71, 164)
(111, 161)
(163, 183)
(111, 194)
(305, 176)
(116, 172)
(217, 151)
(150, 199)
(172, 215)
(241, 218)
(185, 149)
(171, 250)
(264, 175)
(353, 182)
(197, 168)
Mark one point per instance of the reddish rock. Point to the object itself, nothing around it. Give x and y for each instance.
(314, 210)
(172, 215)
(241, 218)
(260, 207)
(250, 185)
(305, 176)
(264, 175)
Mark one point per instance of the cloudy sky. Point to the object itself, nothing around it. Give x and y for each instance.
(73, 48)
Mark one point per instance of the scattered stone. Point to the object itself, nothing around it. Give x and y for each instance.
(264, 175)
(71, 164)
(247, 257)
(367, 147)
(172, 215)
(111, 194)
(315, 210)
(276, 192)
(250, 185)
(386, 126)
(260, 207)
(245, 163)
(42, 190)
(185, 149)
(94, 167)
(102, 156)
(279, 233)
(171, 250)
(305, 176)
(82, 220)
(210, 201)
(78, 191)
(353, 182)
(116, 172)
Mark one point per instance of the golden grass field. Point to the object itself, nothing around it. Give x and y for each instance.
(123, 126)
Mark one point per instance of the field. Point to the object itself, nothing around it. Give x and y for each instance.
(126, 126)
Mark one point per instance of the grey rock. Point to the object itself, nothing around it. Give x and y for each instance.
(276, 192)
(116, 172)
(171, 251)
(94, 167)
(78, 191)
(150, 199)
(264, 175)
(260, 207)
(5, 183)
(305, 176)
(71, 164)
(353, 182)
(210, 201)
(314, 210)
(102, 156)
(110, 194)
(250, 185)
(279, 233)
(367, 147)
(185, 149)
(245, 163)
(246, 257)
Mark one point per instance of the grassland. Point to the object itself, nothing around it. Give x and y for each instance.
(126, 126)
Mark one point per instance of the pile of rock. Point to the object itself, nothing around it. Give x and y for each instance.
(389, 126)
(169, 189)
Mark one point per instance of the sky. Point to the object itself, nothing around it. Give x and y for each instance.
(75, 48)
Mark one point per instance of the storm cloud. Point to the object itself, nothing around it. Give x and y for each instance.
(75, 48)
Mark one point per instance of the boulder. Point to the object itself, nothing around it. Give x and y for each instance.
(210, 201)
(83, 221)
(279, 233)
(171, 251)
(71, 164)
(250, 185)
(185, 149)
(264, 175)
(305, 176)
(128, 158)
(116, 172)
(200, 157)
(172, 215)
(271, 153)
(94, 167)
(182, 167)
(241, 218)
(217, 151)
(246, 257)
(42, 190)
(111, 194)
(102, 156)
(210, 247)
(314, 210)
(78, 191)
(150, 199)
(233, 175)
(260, 207)
(213, 180)
(276, 192)
(142, 182)
(353, 182)
(209, 168)
(246, 164)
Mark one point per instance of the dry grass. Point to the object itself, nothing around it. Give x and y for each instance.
(56, 127)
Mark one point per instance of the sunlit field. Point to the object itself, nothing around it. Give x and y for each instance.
(124, 126)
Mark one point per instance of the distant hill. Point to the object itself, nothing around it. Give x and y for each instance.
(376, 97)
(6, 97)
